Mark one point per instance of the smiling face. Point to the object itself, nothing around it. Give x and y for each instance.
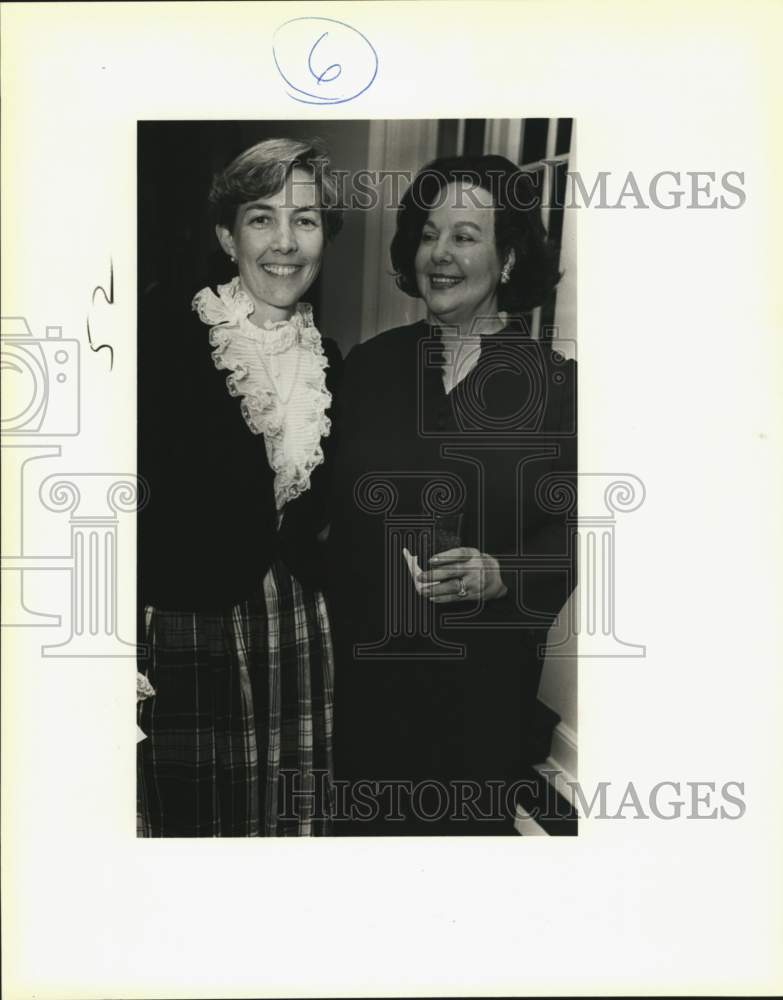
(457, 264)
(278, 241)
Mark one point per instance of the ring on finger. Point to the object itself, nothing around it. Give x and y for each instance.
(462, 590)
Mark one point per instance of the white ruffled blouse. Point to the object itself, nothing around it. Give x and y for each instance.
(279, 372)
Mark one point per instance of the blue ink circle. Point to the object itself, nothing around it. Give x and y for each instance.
(356, 65)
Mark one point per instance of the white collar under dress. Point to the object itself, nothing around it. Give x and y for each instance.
(279, 372)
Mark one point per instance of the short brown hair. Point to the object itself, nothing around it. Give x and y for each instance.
(263, 169)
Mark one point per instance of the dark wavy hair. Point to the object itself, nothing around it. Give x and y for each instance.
(518, 226)
(263, 169)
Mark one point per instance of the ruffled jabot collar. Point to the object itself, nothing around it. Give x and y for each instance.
(232, 306)
(292, 428)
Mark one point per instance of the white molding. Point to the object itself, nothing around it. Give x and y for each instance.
(526, 826)
(559, 769)
(551, 146)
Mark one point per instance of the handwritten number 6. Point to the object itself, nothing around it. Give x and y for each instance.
(322, 77)
(303, 45)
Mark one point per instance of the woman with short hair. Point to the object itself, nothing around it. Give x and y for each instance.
(234, 435)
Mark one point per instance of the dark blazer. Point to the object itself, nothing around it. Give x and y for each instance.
(514, 416)
(420, 694)
(207, 532)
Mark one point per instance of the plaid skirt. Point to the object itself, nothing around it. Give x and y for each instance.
(239, 731)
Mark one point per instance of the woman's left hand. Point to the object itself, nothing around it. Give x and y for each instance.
(462, 574)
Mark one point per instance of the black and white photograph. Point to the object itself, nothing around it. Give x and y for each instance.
(391, 491)
(357, 435)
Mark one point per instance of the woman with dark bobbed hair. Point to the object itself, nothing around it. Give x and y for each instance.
(449, 560)
(234, 435)
(529, 273)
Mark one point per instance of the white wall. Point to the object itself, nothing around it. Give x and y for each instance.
(393, 145)
(559, 681)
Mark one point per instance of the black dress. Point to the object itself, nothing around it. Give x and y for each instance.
(435, 702)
